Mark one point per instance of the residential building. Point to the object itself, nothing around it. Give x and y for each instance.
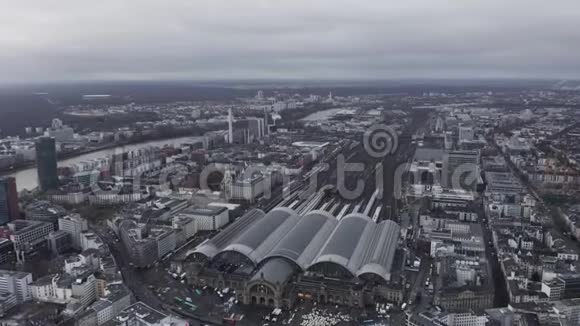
(7, 302)
(86, 318)
(90, 240)
(143, 251)
(59, 242)
(53, 288)
(86, 262)
(568, 310)
(74, 225)
(84, 289)
(113, 304)
(17, 283)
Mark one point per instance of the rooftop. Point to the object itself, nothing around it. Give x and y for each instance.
(355, 243)
(429, 154)
(22, 226)
(207, 211)
(143, 312)
(11, 273)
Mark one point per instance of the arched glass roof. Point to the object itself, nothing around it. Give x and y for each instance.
(381, 250)
(347, 242)
(305, 240)
(256, 242)
(355, 243)
(210, 248)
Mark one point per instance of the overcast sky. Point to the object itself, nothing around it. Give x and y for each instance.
(310, 39)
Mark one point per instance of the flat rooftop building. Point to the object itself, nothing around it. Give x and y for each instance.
(143, 315)
(28, 235)
(503, 183)
(208, 218)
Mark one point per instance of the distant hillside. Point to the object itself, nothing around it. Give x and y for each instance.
(20, 111)
(139, 92)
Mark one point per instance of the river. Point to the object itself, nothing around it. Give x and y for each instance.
(28, 178)
(327, 114)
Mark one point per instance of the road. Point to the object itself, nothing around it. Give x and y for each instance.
(418, 285)
(516, 171)
(501, 296)
(133, 278)
(130, 276)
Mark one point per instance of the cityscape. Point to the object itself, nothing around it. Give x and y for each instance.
(432, 208)
(196, 163)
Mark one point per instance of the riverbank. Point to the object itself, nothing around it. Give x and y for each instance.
(27, 178)
(70, 155)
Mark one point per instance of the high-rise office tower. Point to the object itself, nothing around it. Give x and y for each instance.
(230, 126)
(266, 126)
(8, 200)
(439, 124)
(46, 163)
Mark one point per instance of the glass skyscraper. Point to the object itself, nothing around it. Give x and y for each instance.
(46, 163)
(8, 200)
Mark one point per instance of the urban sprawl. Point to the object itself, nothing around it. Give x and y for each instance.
(441, 208)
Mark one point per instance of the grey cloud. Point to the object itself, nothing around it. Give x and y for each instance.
(205, 39)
